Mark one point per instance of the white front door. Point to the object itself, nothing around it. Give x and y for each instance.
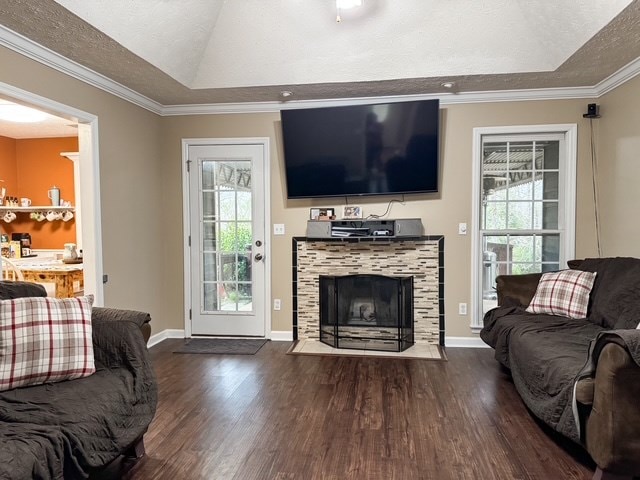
(228, 233)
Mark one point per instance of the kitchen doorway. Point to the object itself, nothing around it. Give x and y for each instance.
(88, 196)
(227, 261)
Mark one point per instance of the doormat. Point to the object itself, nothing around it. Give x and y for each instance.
(224, 346)
(315, 347)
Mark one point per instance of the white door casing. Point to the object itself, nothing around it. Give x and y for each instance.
(226, 287)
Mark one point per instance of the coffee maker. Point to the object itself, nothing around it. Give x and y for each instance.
(25, 243)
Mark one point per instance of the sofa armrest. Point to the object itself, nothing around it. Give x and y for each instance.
(612, 435)
(10, 290)
(141, 319)
(518, 289)
(118, 344)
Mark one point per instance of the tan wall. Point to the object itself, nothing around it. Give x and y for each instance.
(141, 187)
(132, 223)
(618, 141)
(440, 213)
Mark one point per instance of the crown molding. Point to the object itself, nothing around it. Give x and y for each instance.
(27, 47)
(623, 75)
(445, 99)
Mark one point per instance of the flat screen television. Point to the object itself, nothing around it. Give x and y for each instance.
(375, 149)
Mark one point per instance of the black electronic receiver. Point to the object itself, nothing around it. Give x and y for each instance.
(382, 233)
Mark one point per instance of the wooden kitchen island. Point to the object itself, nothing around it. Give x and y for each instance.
(60, 279)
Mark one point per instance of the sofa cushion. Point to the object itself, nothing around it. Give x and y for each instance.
(614, 300)
(564, 293)
(45, 340)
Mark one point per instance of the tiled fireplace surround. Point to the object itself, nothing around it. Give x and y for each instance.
(423, 258)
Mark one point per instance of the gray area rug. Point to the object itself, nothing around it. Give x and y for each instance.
(225, 346)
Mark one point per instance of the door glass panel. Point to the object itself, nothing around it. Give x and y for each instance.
(227, 205)
(226, 235)
(208, 205)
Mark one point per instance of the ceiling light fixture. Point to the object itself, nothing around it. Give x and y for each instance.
(345, 5)
(447, 84)
(285, 94)
(20, 114)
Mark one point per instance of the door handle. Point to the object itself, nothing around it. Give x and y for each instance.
(258, 257)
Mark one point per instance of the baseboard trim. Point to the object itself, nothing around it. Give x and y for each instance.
(281, 336)
(287, 336)
(163, 335)
(276, 336)
(464, 342)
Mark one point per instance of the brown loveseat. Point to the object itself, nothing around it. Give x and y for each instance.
(74, 428)
(580, 376)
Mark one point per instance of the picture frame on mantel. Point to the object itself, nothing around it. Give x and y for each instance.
(322, 214)
(352, 212)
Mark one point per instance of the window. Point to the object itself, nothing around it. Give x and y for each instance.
(524, 190)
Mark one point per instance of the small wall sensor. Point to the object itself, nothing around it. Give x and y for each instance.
(593, 111)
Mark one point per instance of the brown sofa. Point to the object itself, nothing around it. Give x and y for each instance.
(74, 428)
(580, 376)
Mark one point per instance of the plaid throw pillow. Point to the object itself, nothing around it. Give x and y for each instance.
(565, 293)
(45, 339)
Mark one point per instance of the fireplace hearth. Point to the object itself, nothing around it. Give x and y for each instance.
(371, 312)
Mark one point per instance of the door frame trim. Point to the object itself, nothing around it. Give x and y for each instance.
(264, 142)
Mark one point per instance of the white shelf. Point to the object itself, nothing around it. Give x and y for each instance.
(44, 209)
(37, 208)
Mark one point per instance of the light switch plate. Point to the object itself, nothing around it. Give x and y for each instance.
(462, 229)
(278, 228)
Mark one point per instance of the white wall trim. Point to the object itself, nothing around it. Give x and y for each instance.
(27, 47)
(281, 336)
(623, 75)
(566, 216)
(287, 336)
(464, 342)
(445, 99)
(165, 334)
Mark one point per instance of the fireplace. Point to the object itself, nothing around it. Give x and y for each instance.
(372, 312)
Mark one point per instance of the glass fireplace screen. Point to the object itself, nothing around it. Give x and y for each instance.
(372, 312)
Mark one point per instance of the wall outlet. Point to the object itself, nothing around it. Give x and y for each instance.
(277, 304)
(278, 228)
(462, 229)
(462, 308)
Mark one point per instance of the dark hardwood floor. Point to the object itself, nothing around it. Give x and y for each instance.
(278, 416)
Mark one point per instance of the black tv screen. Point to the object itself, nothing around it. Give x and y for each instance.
(376, 149)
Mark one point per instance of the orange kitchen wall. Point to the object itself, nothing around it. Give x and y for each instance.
(39, 167)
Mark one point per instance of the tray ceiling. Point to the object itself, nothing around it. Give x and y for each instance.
(216, 51)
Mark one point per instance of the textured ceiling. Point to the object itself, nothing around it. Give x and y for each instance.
(215, 51)
(51, 126)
